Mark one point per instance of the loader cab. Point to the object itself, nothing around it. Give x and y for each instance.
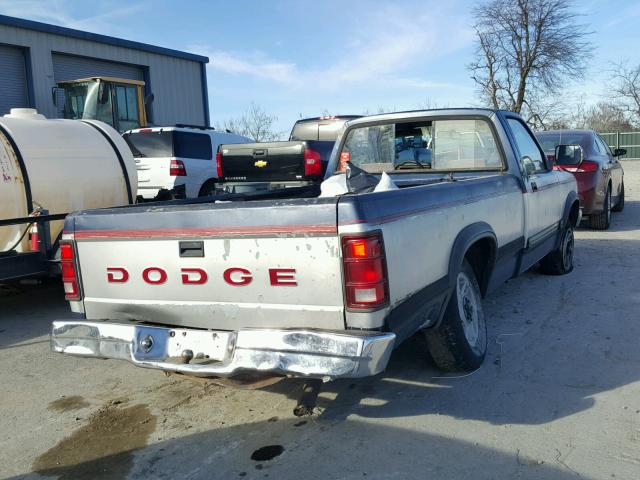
(116, 101)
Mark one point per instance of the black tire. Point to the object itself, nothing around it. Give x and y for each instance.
(207, 189)
(560, 260)
(459, 343)
(620, 205)
(602, 221)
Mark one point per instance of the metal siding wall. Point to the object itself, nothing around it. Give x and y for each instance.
(13, 79)
(178, 92)
(627, 140)
(176, 82)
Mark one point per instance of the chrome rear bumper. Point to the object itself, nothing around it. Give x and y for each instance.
(305, 353)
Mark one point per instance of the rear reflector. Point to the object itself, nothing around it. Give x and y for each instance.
(219, 164)
(69, 272)
(312, 163)
(365, 274)
(34, 238)
(176, 168)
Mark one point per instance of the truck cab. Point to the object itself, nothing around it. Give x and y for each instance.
(115, 101)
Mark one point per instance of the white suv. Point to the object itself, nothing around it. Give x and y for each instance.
(177, 161)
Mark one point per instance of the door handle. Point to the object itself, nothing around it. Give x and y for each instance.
(534, 186)
(191, 249)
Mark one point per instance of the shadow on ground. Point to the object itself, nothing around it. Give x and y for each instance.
(26, 311)
(317, 449)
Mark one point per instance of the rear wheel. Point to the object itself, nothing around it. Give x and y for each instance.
(602, 220)
(620, 205)
(207, 189)
(560, 261)
(459, 343)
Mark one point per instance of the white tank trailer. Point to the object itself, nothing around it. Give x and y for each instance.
(57, 166)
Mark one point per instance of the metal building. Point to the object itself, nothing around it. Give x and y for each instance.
(34, 56)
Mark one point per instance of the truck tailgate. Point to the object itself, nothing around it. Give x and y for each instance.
(263, 162)
(219, 266)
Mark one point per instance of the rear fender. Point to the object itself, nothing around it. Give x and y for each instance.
(463, 242)
(465, 239)
(572, 199)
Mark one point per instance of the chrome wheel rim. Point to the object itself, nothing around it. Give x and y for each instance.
(468, 308)
(567, 249)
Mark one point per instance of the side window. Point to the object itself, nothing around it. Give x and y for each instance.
(192, 145)
(127, 107)
(598, 146)
(604, 145)
(104, 110)
(531, 157)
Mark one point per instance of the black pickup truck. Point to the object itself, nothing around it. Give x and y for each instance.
(302, 160)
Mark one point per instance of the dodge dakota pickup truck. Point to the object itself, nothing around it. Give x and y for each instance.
(429, 212)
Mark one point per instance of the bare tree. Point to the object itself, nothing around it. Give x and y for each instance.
(429, 104)
(380, 110)
(625, 89)
(254, 123)
(606, 117)
(526, 51)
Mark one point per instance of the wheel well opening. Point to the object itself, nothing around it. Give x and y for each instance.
(482, 255)
(209, 183)
(574, 214)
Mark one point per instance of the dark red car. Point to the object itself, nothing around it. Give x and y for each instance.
(597, 170)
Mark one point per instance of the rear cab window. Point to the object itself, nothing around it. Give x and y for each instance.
(159, 144)
(322, 128)
(438, 145)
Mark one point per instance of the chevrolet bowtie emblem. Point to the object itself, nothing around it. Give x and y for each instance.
(260, 163)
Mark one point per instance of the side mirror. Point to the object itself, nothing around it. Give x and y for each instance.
(619, 152)
(529, 166)
(148, 100)
(571, 155)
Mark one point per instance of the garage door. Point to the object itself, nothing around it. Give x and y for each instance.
(69, 67)
(13, 79)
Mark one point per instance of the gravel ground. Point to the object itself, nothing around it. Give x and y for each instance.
(558, 396)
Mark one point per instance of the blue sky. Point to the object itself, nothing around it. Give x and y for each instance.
(300, 58)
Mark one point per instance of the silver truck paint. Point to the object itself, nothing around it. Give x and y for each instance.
(423, 227)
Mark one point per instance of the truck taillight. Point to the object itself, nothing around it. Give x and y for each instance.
(586, 166)
(176, 168)
(365, 273)
(312, 163)
(219, 164)
(69, 271)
